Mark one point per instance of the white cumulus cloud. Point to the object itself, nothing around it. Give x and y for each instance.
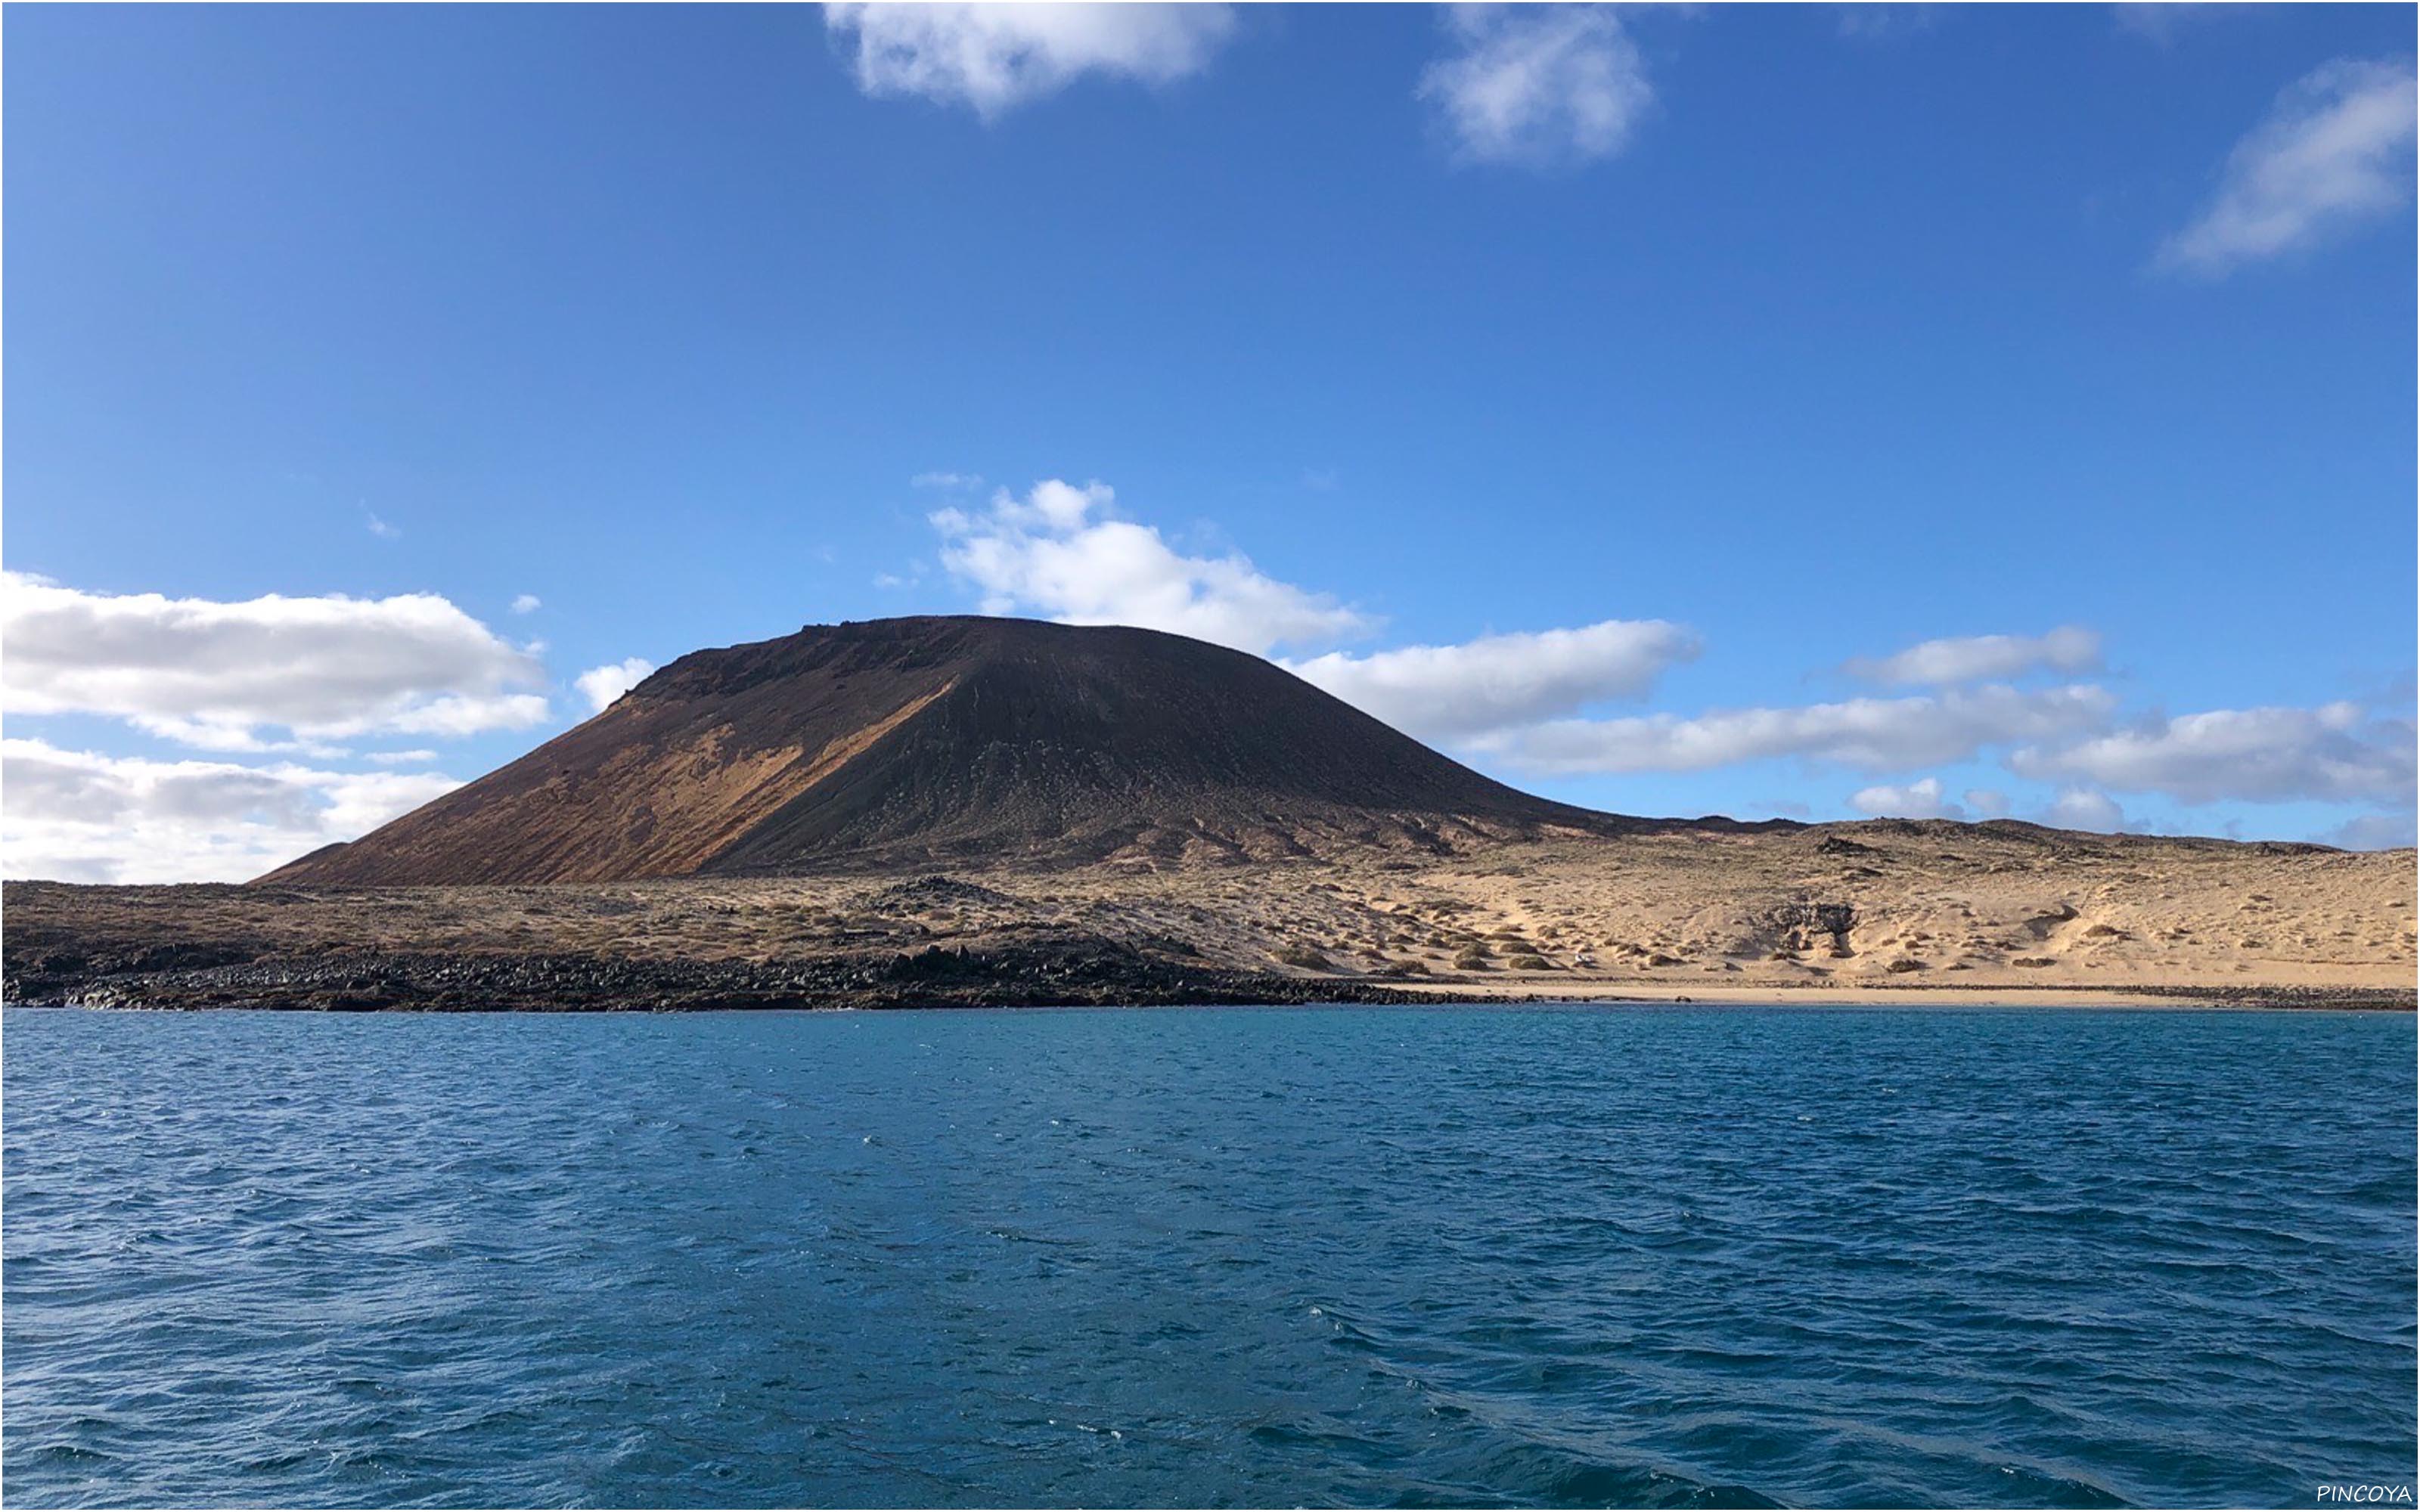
(1976, 659)
(602, 685)
(78, 816)
(1062, 552)
(2335, 753)
(223, 675)
(2084, 808)
(1877, 735)
(1916, 800)
(2334, 150)
(1442, 692)
(993, 57)
(1537, 85)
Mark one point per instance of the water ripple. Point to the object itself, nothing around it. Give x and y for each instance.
(1486, 1257)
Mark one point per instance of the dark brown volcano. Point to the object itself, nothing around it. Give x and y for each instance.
(945, 738)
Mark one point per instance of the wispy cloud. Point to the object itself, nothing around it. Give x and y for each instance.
(526, 604)
(1880, 22)
(1537, 87)
(1879, 735)
(2163, 21)
(994, 58)
(1975, 659)
(2335, 753)
(2334, 152)
(1444, 693)
(379, 528)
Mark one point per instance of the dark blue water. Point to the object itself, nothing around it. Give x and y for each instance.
(1208, 1257)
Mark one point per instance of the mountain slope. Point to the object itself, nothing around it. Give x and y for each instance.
(959, 737)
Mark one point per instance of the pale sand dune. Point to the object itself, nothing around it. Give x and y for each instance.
(1965, 909)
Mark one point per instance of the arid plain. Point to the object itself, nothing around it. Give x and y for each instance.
(1995, 912)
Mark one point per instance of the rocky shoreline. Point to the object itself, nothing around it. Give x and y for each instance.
(1058, 974)
(1070, 973)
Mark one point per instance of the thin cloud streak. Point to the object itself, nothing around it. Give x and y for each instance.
(2334, 152)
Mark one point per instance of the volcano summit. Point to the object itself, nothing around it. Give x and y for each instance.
(954, 739)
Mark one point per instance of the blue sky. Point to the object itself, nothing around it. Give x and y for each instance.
(1770, 343)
